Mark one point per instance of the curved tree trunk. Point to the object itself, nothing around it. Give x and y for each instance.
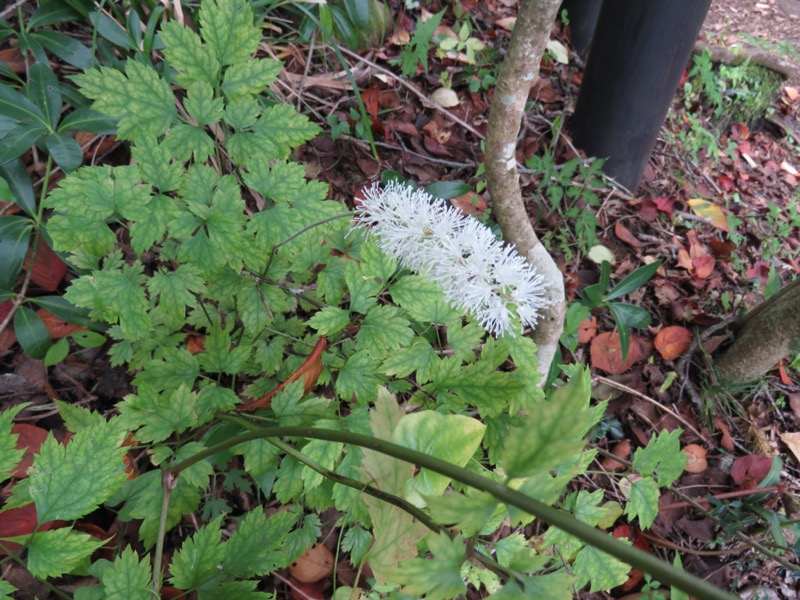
(765, 335)
(519, 71)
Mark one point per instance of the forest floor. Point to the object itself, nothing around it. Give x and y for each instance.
(720, 257)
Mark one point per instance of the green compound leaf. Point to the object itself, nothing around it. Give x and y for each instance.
(358, 377)
(424, 301)
(357, 541)
(662, 457)
(175, 291)
(10, 456)
(601, 569)
(362, 289)
(196, 561)
(330, 319)
(470, 512)
(128, 578)
(59, 551)
(185, 141)
(157, 164)
(176, 367)
(282, 181)
(194, 61)
(201, 104)
(227, 28)
(643, 501)
(250, 78)
(219, 356)
(247, 552)
(142, 100)
(156, 416)
(375, 263)
(436, 579)
(453, 438)
(280, 129)
(68, 482)
(77, 418)
(554, 432)
(383, 329)
(418, 356)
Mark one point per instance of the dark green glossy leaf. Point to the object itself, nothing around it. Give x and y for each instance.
(592, 295)
(111, 31)
(149, 40)
(389, 176)
(19, 141)
(67, 311)
(66, 48)
(15, 105)
(134, 27)
(50, 13)
(624, 341)
(447, 190)
(19, 181)
(31, 333)
(43, 91)
(628, 315)
(634, 280)
(15, 236)
(358, 11)
(86, 119)
(30, 44)
(344, 26)
(605, 274)
(64, 150)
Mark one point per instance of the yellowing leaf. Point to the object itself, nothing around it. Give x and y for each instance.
(713, 213)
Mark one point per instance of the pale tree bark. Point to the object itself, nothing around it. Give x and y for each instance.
(765, 335)
(518, 72)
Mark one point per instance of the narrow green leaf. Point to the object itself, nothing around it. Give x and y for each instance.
(68, 49)
(51, 13)
(15, 105)
(44, 92)
(19, 182)
(358, 11)
(15, 236)
(19, 140)
(31, 333)
(447, 190)
(64, 309)
(634, 280)
(91, 121)
(64, 150)
(629, 315)
(108, 29)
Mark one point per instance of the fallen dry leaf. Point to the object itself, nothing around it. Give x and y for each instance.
(31, 438)
(315, 564)
(621, 450)
(624, 234)
(748, 471)
(587, 330)
(606, 353)
(792, 440)
(470, 204)
(57, 328)
(726, 441)
(710, 211)
(695, 458)
(673, 341)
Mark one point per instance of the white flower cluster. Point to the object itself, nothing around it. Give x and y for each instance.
(477, 273)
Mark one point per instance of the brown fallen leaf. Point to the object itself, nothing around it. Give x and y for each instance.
(709, 211)
(621, 449)
(748, 471)
(673, 341)
(624, 234)
(792, 440)
(606, 353)
(726, 441)
(695, 458)
(470, 204)
(314, 564)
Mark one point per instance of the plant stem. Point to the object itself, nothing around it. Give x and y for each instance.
(661, 570)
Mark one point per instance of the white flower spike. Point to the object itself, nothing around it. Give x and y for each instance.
(477, 273)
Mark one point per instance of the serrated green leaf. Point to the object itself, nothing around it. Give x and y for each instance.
(58, 551)
(68, 482)
(175, 291)
(156, 164)
(643, 501)
(259, 456)
(6, 590)
(418, 356)
(436, 579)
(226, 26)
(201, 104)
(362, 289)
(218, 355)
(382, 330)
(327, 454)
(76, 417)
(359, 377)
(279, 129)
(552, 433)
(150, 228)
(279, 181)
(453, 438)
(602, 570)
(479, 384)
(247, 551)
(185, 141)
(31, 333)
(330, 319)
(375, 263)
(469, 512)
(177, 367)
(194, 61)
(141, 99)
(424, 301)
(197, 559)
(250, 78)
(156, 416)
(662, 457)
(357, 541)
(10, 455)
(128, 578)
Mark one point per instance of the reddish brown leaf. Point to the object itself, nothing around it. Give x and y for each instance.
(587, 330)
(48, 269)
(606, 353)
(621, 449)
(624, 234)
(725, 183)
(21, 521)
(7, 337)
(673, 341)
(630, 533)
(748, 471)
(703, 266)
(726, 441)
(31, 438)
(665, 205)
(648, 210)
(721, 250)
(470, 204)
(315, 564)
(371, 98)
(14, 60)
(56, 327)
(794, 403)
(695, 458)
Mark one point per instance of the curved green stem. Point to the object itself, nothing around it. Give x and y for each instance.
(659, 569)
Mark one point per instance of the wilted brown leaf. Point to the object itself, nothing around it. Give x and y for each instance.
(624, 234)
(606, 353)
(792, 440)
(315, 564)
(748, 471)
(587, 330)
(673, 341)
(695, 458)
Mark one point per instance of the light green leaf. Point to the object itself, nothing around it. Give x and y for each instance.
(479, 384)
(553, 433)
(357, 541)
(76, 417)
(196, 561)
(143, 100)
(424, 301)
(194, 61)
(250, 78)
(157, 416)
(383, 329)
(330, 319)
(375, 263)
(201, 104)
(185, 141)
(128, 578)
(58, 551)
(662, 456)
(157, 164)
(177, 367)
(68, 482)
(247, 552)
(601, 569)
(327, 454)
(643, 502)
(453, 438)
(6, 590)
(226, 26)
(437, 579)
(358, 377)
(213, 398)
(419, 356)
(362, 289)
(259, 456)
(219, 356)
(175, 291)
(150, 228)
(10, 456)
(279, 181)
(469, 512)
(280, 129)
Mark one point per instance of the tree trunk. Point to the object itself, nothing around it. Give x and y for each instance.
(765, 335)
(518, 73)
